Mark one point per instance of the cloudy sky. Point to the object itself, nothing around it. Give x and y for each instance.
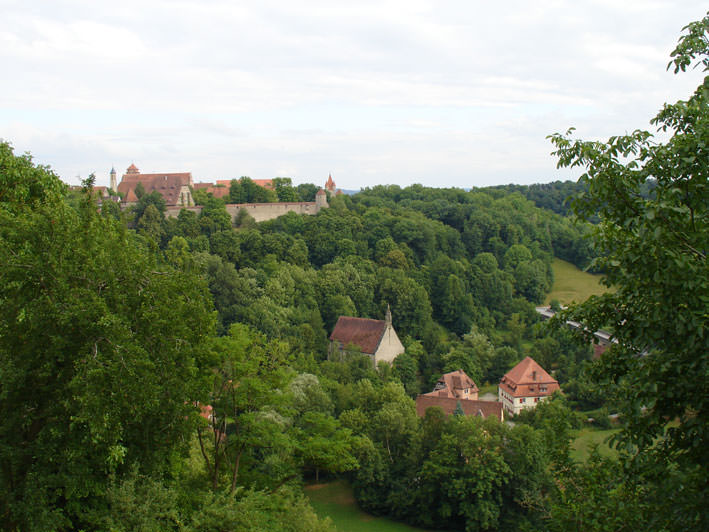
(444, 93)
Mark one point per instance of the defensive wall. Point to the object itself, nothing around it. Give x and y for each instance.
(259, 211)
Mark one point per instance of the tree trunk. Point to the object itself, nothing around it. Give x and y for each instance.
(235, 476)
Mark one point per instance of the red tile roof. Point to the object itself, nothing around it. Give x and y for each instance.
(361, 332)
(265, 183)
(216, 191)
(484, 409)
(452, 384)
(330, 184)
(528, 379)
(167, 184)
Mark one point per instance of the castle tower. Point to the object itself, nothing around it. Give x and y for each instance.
(330, 185)
(321, 200)
(132, 170)
(114, 186)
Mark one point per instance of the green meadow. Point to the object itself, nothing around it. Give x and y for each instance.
(572, 284)
(335, 500)
(587, 438)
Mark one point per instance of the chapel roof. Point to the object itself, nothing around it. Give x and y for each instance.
(363, 332)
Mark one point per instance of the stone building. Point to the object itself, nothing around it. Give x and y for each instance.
(375, 338)
(174, 187)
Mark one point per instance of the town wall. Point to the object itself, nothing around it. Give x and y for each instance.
(259, 211)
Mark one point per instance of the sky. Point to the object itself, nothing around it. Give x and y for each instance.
(442, 93)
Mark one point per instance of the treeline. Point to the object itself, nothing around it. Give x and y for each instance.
(558, 196)
(245, 190)
(446, 261)
(129, 403)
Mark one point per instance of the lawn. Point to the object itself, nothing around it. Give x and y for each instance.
(487, 388)
(580, 446)
(335, 500)
(572, 284)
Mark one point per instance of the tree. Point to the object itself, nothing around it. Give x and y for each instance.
(214, 216)
(99, 352)
(654, 252)
(461, 481)
(283, 187)
(249, 373)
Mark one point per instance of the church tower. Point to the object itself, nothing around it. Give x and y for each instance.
(114, 186)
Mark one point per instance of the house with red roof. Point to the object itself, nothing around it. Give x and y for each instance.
(456, 388)
(524, 386)
(174, 187)
(456, 385)
(375, 338)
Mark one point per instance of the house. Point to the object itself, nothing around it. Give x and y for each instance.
(456, 388)
(174, 187)
(483, 409)
(456, 385)
(524, 386)
(375, 338)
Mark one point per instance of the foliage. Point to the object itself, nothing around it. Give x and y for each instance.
(655, 255)
(23, 185)
(111, 338)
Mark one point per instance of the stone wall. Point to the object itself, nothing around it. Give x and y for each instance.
(259, 211)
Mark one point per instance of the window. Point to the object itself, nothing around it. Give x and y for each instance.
(522, 399)
(536, 399)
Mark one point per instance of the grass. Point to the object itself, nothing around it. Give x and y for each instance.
(572, 284)
(335, 500)
(585, 438)
(487, 388)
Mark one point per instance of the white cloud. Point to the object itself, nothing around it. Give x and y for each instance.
(373, 90)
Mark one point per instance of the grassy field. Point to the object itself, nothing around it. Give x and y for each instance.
(335, 500)
(580, 446)
(488, 388)
(572, 284)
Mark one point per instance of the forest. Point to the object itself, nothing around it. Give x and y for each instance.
(172, 373)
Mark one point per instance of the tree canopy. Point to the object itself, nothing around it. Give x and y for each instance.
(654, 252)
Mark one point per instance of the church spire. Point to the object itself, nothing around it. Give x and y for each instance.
(387, 318)
(113, 179)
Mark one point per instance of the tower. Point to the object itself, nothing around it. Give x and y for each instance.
(113, 180)
(321, 200)
(330, 185)
(387, 318)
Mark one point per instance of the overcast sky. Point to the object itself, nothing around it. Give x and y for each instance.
(443, 93)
